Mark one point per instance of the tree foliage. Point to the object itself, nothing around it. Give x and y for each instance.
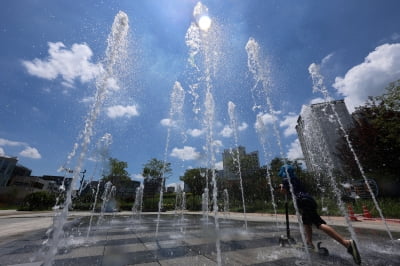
(196, 179)
(38, 201)
(376, 138)
(117, 172)
(155, 168)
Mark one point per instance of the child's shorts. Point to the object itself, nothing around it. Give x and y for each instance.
(308, 209)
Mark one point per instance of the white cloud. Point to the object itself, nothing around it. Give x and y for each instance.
(26, 152)
(30, 152)
(195, 132)
(175, 185)
(295, 151)
(137, 176)
(371, 77)
(120, 111)
(69, 64)
(112, 84)
(263, 120)
(89, 99)
(243, 126)
(326, 59)
(219, 165)
(226, 132)
(395, 36)
(187, 153)
(6, 142)
(167, 122)
(289, 122)
(320, 100)
(217, 143)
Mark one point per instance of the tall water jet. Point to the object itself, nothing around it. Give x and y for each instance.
(204, 204)
(236, 155)
(93, 209)
(178, 200)
(201, 38)
(102, 155)
(317, 146)
(115, 54)
(226, 203)
(138, 204)
(318, 86)
(261, 78)
(180, 206)
(177, 100)
(106, 196)
(260, 129)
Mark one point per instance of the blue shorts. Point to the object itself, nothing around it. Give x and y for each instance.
(308, 209)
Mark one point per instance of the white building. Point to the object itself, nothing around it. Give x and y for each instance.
(320, 128)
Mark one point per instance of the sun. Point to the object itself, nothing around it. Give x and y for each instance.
(204, 22)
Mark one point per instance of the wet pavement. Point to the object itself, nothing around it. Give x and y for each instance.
(187, 239)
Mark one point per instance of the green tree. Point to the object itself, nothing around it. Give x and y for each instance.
(196, 179)
(376, 137)
(155, 168)
(38, 201)
(155, 172)
(117, 172)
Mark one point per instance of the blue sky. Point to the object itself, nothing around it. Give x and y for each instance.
(356, 45)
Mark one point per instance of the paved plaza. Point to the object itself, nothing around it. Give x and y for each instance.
(184, 239)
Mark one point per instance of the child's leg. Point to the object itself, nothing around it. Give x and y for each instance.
(335, 235)
(308, 231)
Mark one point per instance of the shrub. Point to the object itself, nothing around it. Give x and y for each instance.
(125, 206)
(38, 201)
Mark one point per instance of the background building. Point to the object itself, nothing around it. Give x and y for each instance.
(249, 163)
(7, 165)
(152, 186)
(320, 135)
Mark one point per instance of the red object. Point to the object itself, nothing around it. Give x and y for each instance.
(351, 213)
(366, 213)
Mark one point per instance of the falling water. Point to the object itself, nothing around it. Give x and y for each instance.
(115, 54)
(105, 197)
(112, 201)
(183, 208)
(202, 41)
(226, 203)
(261, 77)
(175, 115)
(137, 206)
(178, 200)
(258, 70)
(318, 86)
(204, 204)
(231, 112)
(94, 209)
(260, 128)
(316, 146)
(102, 154)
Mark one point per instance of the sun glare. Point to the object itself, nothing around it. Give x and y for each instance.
(204, 23)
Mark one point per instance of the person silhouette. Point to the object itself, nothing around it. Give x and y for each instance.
(308, 209)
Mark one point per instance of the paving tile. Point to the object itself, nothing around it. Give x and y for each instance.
(120, 241)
